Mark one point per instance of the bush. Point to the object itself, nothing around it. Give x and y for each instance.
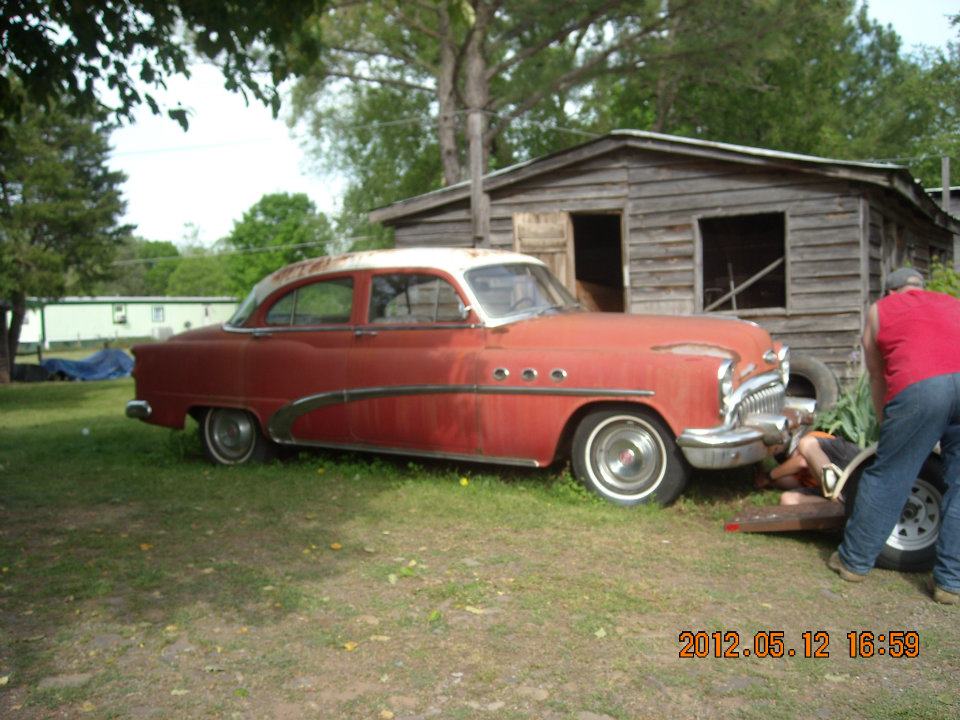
(943, 278)
(853, 416)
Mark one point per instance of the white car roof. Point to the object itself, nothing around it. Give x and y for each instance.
(454, 261)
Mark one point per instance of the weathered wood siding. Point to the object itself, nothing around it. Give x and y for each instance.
(833, 230)
(669, 194)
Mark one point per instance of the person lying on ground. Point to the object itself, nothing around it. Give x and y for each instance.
(801, 475)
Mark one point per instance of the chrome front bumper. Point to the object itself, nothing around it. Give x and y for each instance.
(139, 409)
(725, 447)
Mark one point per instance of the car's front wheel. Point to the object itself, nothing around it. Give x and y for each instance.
(629, 457)
(232, 437)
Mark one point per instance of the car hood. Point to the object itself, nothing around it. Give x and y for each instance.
(681, 335)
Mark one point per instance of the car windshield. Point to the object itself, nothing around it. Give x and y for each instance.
(518, 289)
(245, 310)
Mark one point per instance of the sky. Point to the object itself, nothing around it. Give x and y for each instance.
(234, 152)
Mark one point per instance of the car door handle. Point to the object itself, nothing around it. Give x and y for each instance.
(362, 333)
(257, 334)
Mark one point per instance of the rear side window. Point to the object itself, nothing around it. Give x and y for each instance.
(413, 299)
(328, 302)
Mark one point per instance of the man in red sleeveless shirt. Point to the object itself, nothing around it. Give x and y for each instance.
(911, 346)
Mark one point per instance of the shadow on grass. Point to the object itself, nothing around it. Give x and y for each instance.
(126, 526)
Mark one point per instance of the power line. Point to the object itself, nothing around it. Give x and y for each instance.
(247, 251)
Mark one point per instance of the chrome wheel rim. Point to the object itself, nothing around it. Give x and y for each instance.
(919, 524)
(626, 457)
(231, 434)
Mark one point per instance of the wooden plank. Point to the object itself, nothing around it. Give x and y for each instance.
(840, 251)
(661, 277)
(574, 179)
(824, 236)
(655, 216)
(653, 252)
(801, 302)
(727, 196)
(662, 307)
(816, 319)
(573, 205)
(784, 518)
(726, 183)
(827, 268)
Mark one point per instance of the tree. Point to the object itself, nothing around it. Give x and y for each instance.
(200, 273)
(501, 60)
(69, 51)
(833, 83)
(278, 229)
(59, 209)
(141, 268)
(408, 76)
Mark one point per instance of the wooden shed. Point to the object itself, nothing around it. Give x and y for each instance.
(643, 222)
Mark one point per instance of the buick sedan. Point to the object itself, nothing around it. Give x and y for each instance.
(477, 355)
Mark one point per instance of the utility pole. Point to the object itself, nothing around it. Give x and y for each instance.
(479, 200)
(945, 204)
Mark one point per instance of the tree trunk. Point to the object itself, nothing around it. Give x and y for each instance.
(5, 365)
(447, 101)
(18, 310)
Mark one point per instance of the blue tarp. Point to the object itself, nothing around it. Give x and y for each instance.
(103, 365)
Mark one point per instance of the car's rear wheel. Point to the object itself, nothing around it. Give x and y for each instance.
(629, 457)
(911, 546)
(232, 437)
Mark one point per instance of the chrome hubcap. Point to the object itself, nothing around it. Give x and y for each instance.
(231, 433)
(919, 523)
(627, 456)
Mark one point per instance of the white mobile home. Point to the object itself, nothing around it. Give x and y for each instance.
(101, 319)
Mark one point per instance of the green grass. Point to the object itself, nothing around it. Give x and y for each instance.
(202, 591)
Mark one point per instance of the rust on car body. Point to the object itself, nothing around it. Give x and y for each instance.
(448, 352)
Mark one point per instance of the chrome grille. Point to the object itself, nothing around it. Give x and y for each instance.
(768, 400)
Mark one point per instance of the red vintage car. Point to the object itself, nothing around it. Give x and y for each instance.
(471, 355)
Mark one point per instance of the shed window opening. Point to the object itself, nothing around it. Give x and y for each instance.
(744, 262)
(157, 314)
(416, 299)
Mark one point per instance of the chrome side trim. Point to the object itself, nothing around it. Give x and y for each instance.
(281, 424)
(280, 329)
(351, 447)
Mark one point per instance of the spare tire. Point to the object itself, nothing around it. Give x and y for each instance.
(912, 546)
(812, 379)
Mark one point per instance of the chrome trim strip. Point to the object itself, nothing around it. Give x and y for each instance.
(351, 447)
(272, 329)
(281, 424)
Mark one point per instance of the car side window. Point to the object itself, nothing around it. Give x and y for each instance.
(412, 298)
(327, 302)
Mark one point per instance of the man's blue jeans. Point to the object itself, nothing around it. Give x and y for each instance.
(913, 422)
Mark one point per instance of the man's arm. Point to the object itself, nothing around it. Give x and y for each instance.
(874, 361)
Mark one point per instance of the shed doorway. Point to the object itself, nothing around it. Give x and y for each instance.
(583, 250)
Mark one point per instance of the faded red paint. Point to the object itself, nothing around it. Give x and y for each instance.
(461, 408)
